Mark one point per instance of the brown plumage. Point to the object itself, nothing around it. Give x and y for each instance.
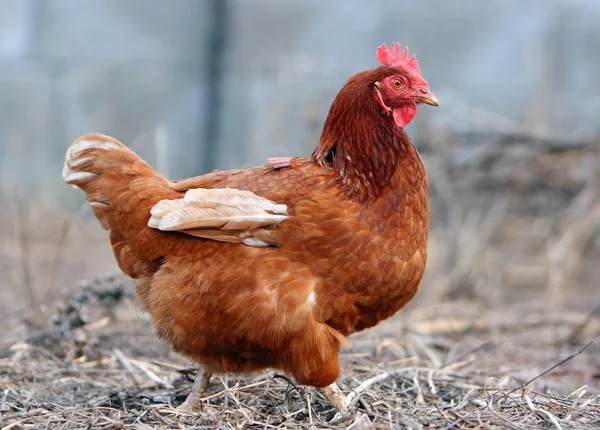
(311, 251)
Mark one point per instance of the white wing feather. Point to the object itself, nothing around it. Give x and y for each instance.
(228, 215)
(208, 198)
(221, 217)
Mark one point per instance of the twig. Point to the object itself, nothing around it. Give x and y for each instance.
(150, 374)
(289, 381)
(127, 366)
(560, 363)
(12, 425)
(506, 422)
(354, 395)
(69, 420)
(420, 398)
(367, 408)
(432, 386)
(543, 412)
(171, 366)
(220, 393)
(310, 417)
(466, 354)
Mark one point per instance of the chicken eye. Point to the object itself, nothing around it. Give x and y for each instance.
(396, 83)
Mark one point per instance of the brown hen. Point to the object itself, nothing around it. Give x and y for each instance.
(273, 266)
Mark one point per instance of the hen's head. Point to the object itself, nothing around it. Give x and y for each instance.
(399, 86)
(363, 137)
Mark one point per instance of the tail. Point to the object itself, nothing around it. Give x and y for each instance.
(121, 188)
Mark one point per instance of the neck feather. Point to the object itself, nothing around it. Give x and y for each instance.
(361, 143)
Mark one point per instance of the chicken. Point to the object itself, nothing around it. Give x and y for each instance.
(274, 266)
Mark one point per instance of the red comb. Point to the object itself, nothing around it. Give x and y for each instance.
(395, 57)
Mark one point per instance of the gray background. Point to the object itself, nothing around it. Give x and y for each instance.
(208, 88)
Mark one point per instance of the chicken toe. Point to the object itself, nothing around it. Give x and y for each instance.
(193, 402)
(334, 395)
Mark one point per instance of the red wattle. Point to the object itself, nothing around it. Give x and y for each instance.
(404, 114)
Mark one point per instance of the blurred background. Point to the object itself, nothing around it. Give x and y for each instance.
(192, 86)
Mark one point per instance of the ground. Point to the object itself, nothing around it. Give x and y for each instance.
(97, 364)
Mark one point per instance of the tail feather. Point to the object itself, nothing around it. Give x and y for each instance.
(86, 159)
(121, 189)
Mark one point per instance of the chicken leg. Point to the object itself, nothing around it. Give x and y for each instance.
(334, 395)
(193, 402)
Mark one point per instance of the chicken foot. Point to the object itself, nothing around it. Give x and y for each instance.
(193, 402)
(336, 398)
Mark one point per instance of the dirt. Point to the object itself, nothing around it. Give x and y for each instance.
(97, 364)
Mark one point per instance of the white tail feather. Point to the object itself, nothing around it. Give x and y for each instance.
(79, 177)
(82, 145)
(70, 172)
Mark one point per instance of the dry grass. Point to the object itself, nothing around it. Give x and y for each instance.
(100, 366)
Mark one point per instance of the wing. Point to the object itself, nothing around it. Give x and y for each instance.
(222, 214)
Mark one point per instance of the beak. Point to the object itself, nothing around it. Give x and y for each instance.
(427, 97)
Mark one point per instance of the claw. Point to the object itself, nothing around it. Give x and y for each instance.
(193, 403)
